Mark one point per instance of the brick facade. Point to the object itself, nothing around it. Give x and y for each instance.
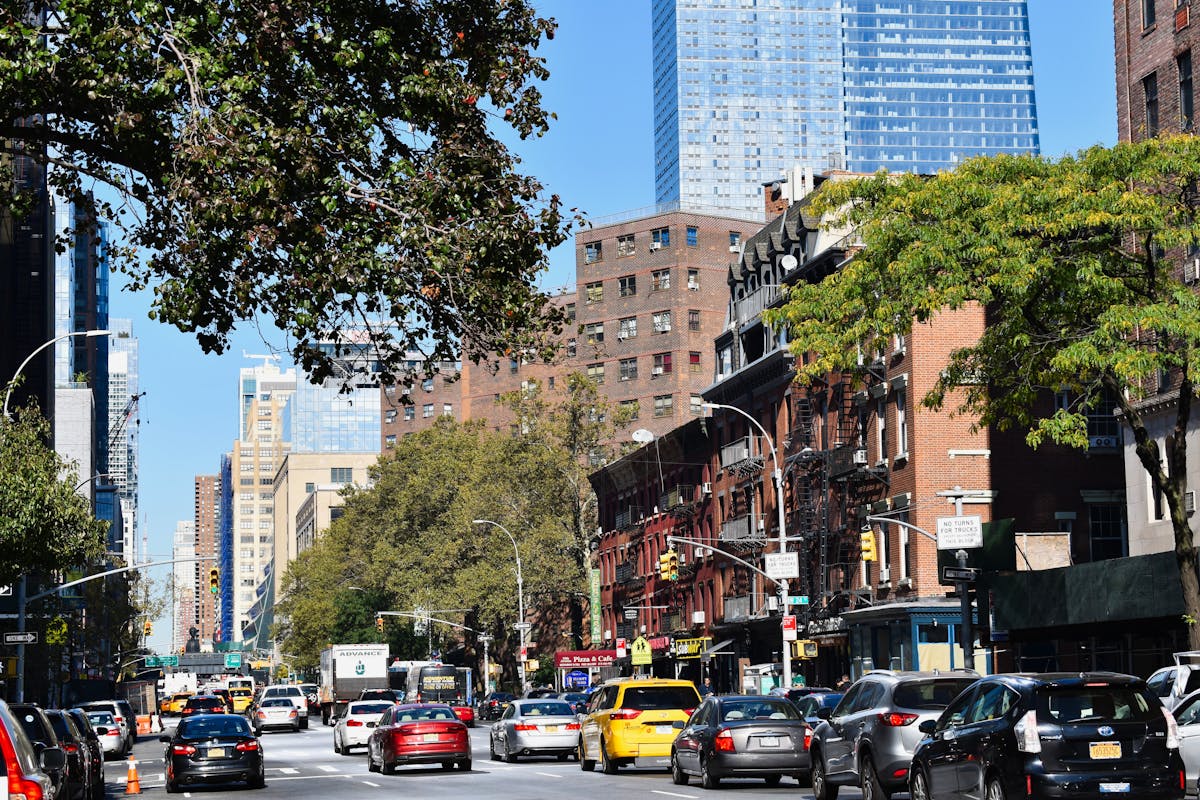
(1153, 39)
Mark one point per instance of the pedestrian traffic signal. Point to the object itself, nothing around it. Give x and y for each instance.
(672, 565)
(214, 580)
(804, 648)
(147, 628)
(664, 566)
(868, 546)
(379, 624)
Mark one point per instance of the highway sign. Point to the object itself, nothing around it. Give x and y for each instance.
(26, 637)
(959, 533)
(782, 566)
(233, 661)
(959, 574)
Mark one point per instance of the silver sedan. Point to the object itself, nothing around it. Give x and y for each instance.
(275, 712)
(354, 726)
(535, 727)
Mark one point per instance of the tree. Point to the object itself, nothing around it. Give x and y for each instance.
(44, 524)
(329, 164)
(1076, 262)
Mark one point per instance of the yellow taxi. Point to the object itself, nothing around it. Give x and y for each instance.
(178, 701)
(241, 698)
(628, 721)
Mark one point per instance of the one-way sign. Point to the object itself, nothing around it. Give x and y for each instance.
(959, 574)
(28, 637)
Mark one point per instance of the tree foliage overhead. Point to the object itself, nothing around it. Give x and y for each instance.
(44, 524)
(1077, 263)
(329, 164)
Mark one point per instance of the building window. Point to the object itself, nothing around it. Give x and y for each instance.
(596, 372)
(570, 311)
(550, 380)
(628, 328)
(427, 410)
(901, 422)
(1147, 13)
(264, 425)
(694, 361)
(1106, 530)
(664, 405)
(1150, 93)
(693, 280)
(571, 348)
(735, 238)
(662, 322)
(697, 405)
(390, 416)
(628, 369)
(513, 366)
(660, 237)
(410, 412)
(693, 236)
(662, 363)
(628, 285)
(625, 245)
(693, 319)
(593, 332)
(881, 426)
(1186, 98)
(447, 409)
(594, 292)
(341, 474)
(631, 407)
(660, 280)
(592, 252)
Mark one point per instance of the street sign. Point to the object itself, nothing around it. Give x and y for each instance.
(233, 661)
(789, 627)
(524, 656)
(959, 533)
(522, 626)
(576, 679)
(26, 637)
(640, 653)
(782, 566)
(6, 591)
(797, 600)
(620, 648)
(959, 574)
(631, 613)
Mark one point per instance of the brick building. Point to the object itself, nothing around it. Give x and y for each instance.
(207, 495)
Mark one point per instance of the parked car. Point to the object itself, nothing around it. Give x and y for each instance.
(26, 768)
(293, 693)
(493, 704)
(534, 728)
(123, 714)
(629, 721)
(1187, 717)
(81, 774)
(275, 712)
(1172, 684)
(203, 704)
(811, 705)
(95, 750)
(213, 748)
(464, 712)
(420, 733)
(108, 731)
(353, 728)
(1054, 735)
(37, 727)
(868, 739)
(741, 736)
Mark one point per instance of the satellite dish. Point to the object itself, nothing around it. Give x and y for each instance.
(789, 262)
(643, 436)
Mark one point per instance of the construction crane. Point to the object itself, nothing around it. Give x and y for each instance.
(114, 432)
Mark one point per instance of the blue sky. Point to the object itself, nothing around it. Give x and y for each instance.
(598, 157)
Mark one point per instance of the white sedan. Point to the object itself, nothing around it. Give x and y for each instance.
(354, 727)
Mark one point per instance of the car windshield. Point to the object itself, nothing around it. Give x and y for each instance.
(651, 698)
(932, 694)
(205, 702)
(1094, 703)
(546, 709)
(282, 691)
(239, 692)
(418, 714)
(370, 709)
(758, 709)
(61, 729)
(208, 727)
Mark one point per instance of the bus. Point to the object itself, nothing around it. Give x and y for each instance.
(439, 683)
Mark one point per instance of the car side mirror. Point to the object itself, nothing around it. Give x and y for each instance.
(166, 739)
(928, 726)
(53, 758)
(825, 712)
(679, 724)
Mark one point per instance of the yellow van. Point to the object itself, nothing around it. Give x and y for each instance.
(629, 722)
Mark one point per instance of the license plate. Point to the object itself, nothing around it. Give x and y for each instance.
(550, 728)
(769, 741)
(1114, 788)
(431, 737)
(663, 730)
(1099, 750)
(216, 752)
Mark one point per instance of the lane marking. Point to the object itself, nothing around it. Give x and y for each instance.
(368, 783)
(549, 774)
(675, 794)
(289, 770)
(326, 768)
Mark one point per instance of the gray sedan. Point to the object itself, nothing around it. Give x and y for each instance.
(275, 712)
(531, 727)
(741, 736)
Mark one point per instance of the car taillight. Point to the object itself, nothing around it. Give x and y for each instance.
(293, 713)
(807, 737)
(353, 723)
(183, 750)
(689, 711)
(897, 719)
(247, 747)
(626, 713)
(723, 743)
(1172, 730)
(113, 732)
(1026, 730)
(21, 789)
(120, 720)
(524, 727)
(572, 726)
(70, 747)
(261, 715)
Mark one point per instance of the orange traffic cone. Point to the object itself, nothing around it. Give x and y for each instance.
(132, 784)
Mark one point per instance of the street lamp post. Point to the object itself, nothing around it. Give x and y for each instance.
(40, 348)
(785, 654)
(522, 625)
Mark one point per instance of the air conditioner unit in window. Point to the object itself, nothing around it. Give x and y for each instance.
(657, 371)
(697, 617)
(733, 248)
(860, 457)
(655, 246)
(706, 488)
(885, 575)
(1191, 270)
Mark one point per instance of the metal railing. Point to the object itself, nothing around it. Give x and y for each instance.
(676, 496)
(743, 529)
(629, 517)
(753, 304)
(737, 451)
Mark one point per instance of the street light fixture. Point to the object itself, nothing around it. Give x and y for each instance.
(784, 654)
(40, 348)
(521, 625)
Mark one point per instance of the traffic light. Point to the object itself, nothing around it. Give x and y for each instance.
(664, 566)
(379, 624)
(672, 565)
(214, 580)
(868, 545)
(147, 627)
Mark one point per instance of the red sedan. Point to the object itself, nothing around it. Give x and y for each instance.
(464, 713)
(422, 733)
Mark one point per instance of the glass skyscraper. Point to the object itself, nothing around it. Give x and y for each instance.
(745, 90)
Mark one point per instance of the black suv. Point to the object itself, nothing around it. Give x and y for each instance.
(38, 728)
(1054, 735)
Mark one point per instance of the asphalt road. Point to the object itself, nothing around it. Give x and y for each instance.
(303, 765)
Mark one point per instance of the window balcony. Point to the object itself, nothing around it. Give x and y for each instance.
(753, 304)
(748, 528)
(740, 451)
(629, 517)
(676, 496)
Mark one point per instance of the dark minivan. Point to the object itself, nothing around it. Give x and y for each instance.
(1061, 735)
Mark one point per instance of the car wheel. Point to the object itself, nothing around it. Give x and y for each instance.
(337, 745)
(995, 790)
(304, 723)
(386, 767)
(585, 764)
(872, 789)
(607, 765)
(678, 776)
(773, 780)
(821, 788)
(172, 787)
(465, 766)
(258, 781)
(707, 779)
(918, 787)
(492, 749)
(371, 765)
(509, 756)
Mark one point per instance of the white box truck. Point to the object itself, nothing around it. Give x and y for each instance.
(347, 669)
